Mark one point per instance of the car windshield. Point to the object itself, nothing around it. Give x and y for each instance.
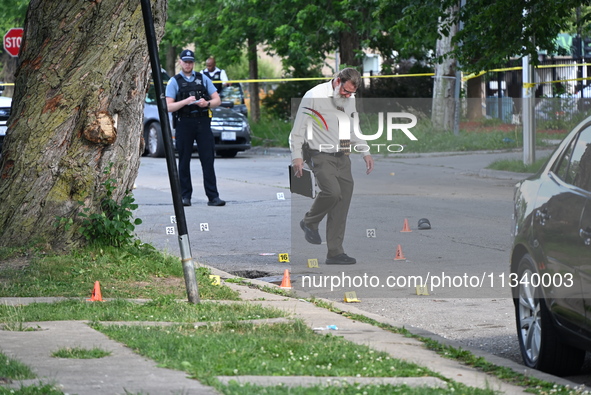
(151, 96)
(232, 93)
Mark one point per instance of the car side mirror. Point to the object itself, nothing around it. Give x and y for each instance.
(227, 104)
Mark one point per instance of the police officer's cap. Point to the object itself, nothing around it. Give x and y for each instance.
(187, 56)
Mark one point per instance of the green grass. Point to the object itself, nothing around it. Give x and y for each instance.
(271, 132)
(164, 309)
(45, 389)
(431, 141)
(352, 389)
(13, 369)
(247, 349)
(135, 271)
(532, 384)
(204, 351)
(80, 353)
(517, 165)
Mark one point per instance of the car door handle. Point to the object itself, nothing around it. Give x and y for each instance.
(586, 235)
(542, 216)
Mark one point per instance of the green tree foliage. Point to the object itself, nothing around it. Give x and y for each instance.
(305, 32)
(13, 14)
(217, 28)
(492, 31)
(310, 30)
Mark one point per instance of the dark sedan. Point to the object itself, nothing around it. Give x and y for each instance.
(551, 258)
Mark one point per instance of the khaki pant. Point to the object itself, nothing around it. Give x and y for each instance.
(333, 176)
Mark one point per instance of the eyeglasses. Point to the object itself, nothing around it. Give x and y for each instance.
(346, 91)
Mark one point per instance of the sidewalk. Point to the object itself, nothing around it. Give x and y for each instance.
(126, 372)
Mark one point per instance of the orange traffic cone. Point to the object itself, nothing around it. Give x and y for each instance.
(286, 282)
(96, 293)
(399, 254)
(405, 227)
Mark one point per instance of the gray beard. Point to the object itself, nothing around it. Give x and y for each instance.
(337, 99)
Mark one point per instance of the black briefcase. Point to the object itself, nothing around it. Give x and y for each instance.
(305, 185)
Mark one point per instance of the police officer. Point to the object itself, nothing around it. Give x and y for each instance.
(215, 74)
(191, 96)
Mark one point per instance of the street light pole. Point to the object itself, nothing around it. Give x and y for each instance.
(185, 247)
(529, 120)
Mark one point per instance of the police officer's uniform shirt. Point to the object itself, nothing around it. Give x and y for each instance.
(319, 99)
(223, 75)
(172, 88)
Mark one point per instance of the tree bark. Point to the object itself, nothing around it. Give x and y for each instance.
(474, 93)
(172, 55)
(77, 108)
(443, 109)
(349, 44)
(253, 87)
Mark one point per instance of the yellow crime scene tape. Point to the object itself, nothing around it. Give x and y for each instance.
(306, 78)
(328, 78)
(465, 78)
(529, 85)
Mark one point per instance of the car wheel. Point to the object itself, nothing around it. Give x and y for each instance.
(228, 153)
(153, 137)
(539, 341)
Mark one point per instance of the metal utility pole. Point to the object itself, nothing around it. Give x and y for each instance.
(187, 260)
(458, 86)
(528, 115)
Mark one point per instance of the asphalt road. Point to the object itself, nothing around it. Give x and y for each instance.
(461, 262)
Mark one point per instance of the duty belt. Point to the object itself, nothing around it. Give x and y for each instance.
(314, 152)
(195, 115)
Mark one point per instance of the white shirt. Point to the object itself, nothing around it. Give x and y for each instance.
(223, 75)
(319, 122)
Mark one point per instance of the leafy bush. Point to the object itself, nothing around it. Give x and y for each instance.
(113, 226)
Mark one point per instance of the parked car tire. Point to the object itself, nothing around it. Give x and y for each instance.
(539, 341)
(153, 139)
(228, 153)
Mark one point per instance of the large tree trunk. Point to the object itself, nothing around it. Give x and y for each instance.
(443, 109)
(253, 87)
(474, 93)
(172, 54)
(349, 45)
(77, 108)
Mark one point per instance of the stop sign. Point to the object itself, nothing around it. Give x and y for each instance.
(12, 40)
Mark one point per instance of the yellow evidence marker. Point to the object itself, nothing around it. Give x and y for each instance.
(422, 290)
(313, 263)
(351, 297)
